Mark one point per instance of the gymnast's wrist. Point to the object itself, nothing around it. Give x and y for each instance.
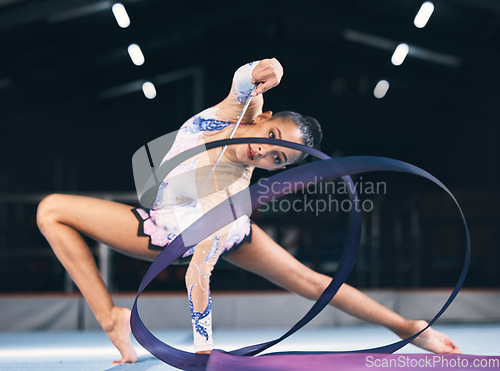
(242, 81)
(203, 347)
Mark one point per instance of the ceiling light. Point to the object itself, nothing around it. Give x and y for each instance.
(423, 14)
(149, 90)
(136, 54)
(399, 54)
(121, 15)
(381, 89)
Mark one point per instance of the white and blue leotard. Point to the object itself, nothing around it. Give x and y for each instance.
(179, 203)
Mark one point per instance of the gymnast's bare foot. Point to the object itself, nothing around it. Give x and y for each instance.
(430, 339)
(118, 331)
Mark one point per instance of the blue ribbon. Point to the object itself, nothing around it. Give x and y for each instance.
(327, 169)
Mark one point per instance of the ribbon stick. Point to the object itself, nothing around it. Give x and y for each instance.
(240, 117)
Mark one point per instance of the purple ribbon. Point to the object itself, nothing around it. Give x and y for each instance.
(327, 169)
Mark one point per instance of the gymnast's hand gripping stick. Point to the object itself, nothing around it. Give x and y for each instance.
(245, 107)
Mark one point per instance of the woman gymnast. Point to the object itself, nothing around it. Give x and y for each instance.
(143, 232)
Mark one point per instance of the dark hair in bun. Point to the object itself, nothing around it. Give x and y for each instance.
(309, 127)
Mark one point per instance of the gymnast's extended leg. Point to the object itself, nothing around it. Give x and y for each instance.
(61, 219)
(263, 256)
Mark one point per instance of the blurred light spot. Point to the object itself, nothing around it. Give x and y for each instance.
(136, 54)
(149, 90)
(399, 54)
(121, 15)
(423, 14)
(339, 86)
(381, 89)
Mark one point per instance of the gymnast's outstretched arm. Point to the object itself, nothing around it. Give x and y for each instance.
(263, 256)
(266, 74)
(198, 275)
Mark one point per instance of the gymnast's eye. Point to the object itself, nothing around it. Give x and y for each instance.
(271, 135)
(277, 159)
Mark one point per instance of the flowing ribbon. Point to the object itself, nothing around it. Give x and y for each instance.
(217, 218)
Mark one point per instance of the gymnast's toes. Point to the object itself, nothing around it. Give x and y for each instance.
(119, 334)
(432, 340)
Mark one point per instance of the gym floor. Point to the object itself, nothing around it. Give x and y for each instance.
(91, 350)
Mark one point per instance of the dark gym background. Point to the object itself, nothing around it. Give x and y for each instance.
(70, 121)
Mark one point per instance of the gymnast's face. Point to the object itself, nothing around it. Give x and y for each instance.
(266, 156)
